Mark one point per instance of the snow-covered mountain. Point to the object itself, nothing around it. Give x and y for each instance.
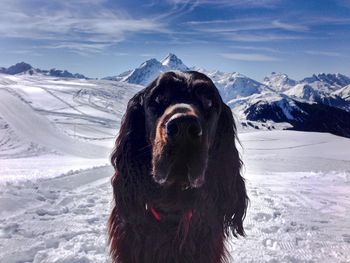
(150, 69)
(278, 99)
(23, 68)
(172, 62)
(235, 85)
(334, 81)
(279, 82)
(344, 93)
(319, 88)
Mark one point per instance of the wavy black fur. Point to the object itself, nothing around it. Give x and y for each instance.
(219, 206)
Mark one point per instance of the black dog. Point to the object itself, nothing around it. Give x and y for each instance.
(177, 186)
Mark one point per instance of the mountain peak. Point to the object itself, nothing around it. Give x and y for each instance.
(151, 68)
(19, 68)
(173, 62)
(279, 81)
(150, 62)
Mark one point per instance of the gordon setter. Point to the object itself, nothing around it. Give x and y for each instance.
(178, 191)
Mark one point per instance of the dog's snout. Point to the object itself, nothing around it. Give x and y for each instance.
(184, 126)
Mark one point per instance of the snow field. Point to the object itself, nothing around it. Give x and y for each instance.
(55, 194)
(294, 216)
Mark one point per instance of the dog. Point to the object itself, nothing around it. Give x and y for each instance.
(177, 187)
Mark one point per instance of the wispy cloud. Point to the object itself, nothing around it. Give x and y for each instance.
(345, 3)
(259, 48)
(147, 55)
(244, 24)
(249, 57)
(260, 37)
(235, 3)
(25, 52)
(68, 26)
(77, 47)
(323, 53)
(251, 29)
(290, 26)
(121, 54)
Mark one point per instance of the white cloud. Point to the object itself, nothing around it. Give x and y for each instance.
(245, 24)
(323, 53)
(72, 25)
(266, 49)
(237, 3)
(289, 26)
(249, 57)
(260, 37)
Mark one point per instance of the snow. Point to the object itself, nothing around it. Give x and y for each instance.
(24, 69)
(343, 93)
(20, 116)
(174, 63)
(235, 85)
(146, 72)
(279, 82)
(150, 69)
(55, 193)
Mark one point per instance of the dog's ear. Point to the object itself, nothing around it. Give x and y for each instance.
(130, 160)
(231, 190)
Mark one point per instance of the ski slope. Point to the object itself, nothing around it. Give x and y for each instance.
(38, 129)
(55, 194)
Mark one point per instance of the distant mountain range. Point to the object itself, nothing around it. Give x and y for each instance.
(23, 68)
(317, 103)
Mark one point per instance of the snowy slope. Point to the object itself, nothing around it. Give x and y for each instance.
(145, 73)
(42, 115)
(56, 135)
(344, 93)
(298, 184)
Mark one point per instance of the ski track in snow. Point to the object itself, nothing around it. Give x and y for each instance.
(55, 196)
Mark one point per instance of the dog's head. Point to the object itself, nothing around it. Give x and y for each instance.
(181, 117)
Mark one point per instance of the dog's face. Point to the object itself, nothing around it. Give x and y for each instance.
(181, 116)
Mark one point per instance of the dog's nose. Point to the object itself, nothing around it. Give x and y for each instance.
(185, 126)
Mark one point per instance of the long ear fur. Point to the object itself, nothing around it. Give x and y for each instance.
(232, 199)
(129, 159)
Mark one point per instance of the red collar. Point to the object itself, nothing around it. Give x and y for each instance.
(188, 215)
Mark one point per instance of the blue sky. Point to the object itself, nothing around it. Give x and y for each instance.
(254, 37)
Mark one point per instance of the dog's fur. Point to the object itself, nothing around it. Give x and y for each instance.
(176, 201)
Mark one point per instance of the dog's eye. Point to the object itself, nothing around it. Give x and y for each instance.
(161, 99)
(207, 102)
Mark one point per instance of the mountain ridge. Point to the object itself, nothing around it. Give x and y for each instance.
(277, 98)
(23, 68)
